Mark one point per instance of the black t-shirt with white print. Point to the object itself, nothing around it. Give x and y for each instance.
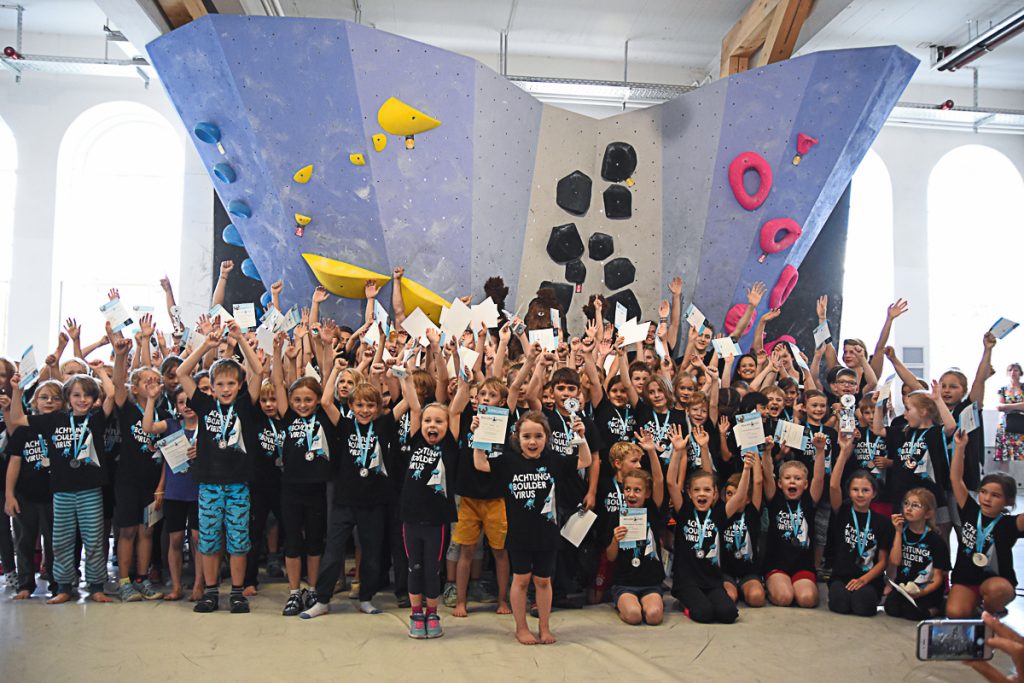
(306, 448)
(34, 449)
(854, 553)
(997, 547)
(213, 464)
(266, 437)
(530, 507)
(831, 450)
(137, 467)
(63, 432)
(471, 482)
(698, 545)
(739, 543)
(364, 465)
(428, 495)
(573, 490)
(866, 448)
(790, 545)
(921, 555)
(651, 570)
(614, 425)
(920, 460)
(660, 425)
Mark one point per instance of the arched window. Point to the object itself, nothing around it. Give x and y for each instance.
(868, 270)
(8, 187)
(975, 249)
(120, 176)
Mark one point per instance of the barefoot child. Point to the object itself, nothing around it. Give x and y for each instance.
(530, 472)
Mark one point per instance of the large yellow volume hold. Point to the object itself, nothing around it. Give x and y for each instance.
(416, 296)
(303, 175)
(343, 279)
(398, 118)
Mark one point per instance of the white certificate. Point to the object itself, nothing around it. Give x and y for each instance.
(174, 447)
(455, 319)
(28, 368)
(635, 521)
(790, 434)
(222, 312)
(969, 418)
(116, 314)
(822, 334)
(545, 337)
(493, 426)
(152, 514)
(486, 313)
(577, 526)
(695, 318)
(749, 430)
(620, 314)
(1003, 327)
(726, 347)
(245, 316)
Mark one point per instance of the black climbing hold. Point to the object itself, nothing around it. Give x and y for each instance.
(627, 299)
(618, 202)
(565, 243)
(573, 193)
(619, 162)
(619, 273)
(600, 246)
(575, 272)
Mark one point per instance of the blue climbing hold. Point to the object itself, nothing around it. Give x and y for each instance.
(236, 207)
(249, 269)
(266, 299)
(231, 236)
(224, 172)
(207, 132)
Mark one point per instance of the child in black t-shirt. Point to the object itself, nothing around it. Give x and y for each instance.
(740, 560)
(222, 466)
(789, 558)
(530, 472)
(983, 574)
(28, 498)
(860, 540)
(639, 571)
(427, 506)
(74, 439)
(920, 558)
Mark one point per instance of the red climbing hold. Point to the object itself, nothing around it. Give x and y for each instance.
(750, 161)
(784, 287)
(803, 146)
(733, 317)
(770, 242)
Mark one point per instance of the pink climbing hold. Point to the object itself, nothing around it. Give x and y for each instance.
(784, 287)
(803, 146)
(770, 242)
(750, 161)
(732, 318)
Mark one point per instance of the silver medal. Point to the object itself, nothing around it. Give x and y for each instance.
(980, 559)
(75, 463)
(364, 473)
(738, 554)
(309, 456)
(700, 554)
(222, 444)
(636, 562)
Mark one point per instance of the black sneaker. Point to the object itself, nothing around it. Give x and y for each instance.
(239, 604)
(208, 603)
(308, 598)
(294, 605)
(403, 602)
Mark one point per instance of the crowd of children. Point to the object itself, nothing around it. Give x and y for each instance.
(621, 472)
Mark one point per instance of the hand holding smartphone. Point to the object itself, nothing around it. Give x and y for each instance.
(953, 639)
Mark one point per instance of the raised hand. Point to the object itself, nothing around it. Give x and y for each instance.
(771, 314)
(372, 289)
(675, 286)
(896, 309)
(275, 288)
(700, 436)
(664, 309)
(644, 439)
(397, 273)
(146, 326)
(113, 294)
(320, 294)
(822, 308)
(225, 268)
(756, 292)
(73, 329)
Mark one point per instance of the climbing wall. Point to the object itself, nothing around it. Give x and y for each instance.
(465, 182)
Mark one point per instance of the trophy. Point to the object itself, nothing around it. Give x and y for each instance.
(573, 406)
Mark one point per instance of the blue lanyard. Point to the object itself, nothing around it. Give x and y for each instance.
(915, 439)
(364, 446)
(622, 500)
(625, 420)
(919, 543)
(77, 439)
(872, 446)
(568, 429)
(982, 534)
(787, 414)
(861, 537)
(312, 427)
(660, 430)
(699, 545)
(795, 517)
(225, 421)
(947, 447)
(277, 437)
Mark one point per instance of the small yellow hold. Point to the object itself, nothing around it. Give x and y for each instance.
(357, 159)
(301, 219)
(380, 141)
(630, 182)
(303, 175)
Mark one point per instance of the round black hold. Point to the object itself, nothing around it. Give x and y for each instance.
(619, 161)
(563, 293)
(600, 246)
(627, 299)
(618, 202)
(575, 272)
(573, 193)
(619, 273)
(565, 244)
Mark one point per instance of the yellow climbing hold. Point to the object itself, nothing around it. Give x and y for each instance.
(357, 159)
(303, 175)
(380, 141)
(301, 219)
(416, 296)
(343, 279)
(398, 118)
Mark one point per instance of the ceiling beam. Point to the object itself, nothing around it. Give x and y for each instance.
(768, 27)
(181, 12)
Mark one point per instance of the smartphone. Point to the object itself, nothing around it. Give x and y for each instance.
(953, 639)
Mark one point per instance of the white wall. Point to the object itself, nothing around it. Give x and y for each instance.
(39, 111)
